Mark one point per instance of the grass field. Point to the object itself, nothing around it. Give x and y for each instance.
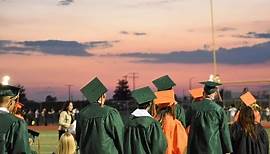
(48, 141)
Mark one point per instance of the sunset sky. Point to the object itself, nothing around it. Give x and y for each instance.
(47, 44)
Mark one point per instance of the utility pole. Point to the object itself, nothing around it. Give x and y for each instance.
(134, 76)
(69, 91)
(125, 77)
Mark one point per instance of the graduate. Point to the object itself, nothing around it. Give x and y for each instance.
(209, 131)
(248, 136)
(166, 83)
(99, 128)
(172, 128)
(143, 134)
(13, 131)
(249, 100)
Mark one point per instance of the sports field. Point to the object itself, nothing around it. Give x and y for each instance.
(49, 136)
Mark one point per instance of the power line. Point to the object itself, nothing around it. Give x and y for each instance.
(133, 76)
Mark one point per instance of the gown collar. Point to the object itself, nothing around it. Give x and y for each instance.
(3, 110)
(141, 113)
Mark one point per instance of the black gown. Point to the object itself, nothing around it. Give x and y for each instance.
(244, 144)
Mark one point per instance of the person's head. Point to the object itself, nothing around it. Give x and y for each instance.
(212, 96)
(68, 106)
(247, 120)
(144, 105)
(8, 96)
(164, 103)
(211, 87)
(66, 144)
(164, 110)
(8, 102)
(143, 97)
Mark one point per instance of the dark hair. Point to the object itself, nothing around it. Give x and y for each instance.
(166, 89)
(208, 90)
(161, 112)
(65, 106)
(144, 105)
(247, 121)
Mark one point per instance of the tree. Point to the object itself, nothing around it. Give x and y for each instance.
(22, 95)
(122, 91)
(50, 98)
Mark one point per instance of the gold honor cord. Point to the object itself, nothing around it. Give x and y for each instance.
(213, 38)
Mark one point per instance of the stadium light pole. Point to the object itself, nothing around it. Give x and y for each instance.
(213, 38)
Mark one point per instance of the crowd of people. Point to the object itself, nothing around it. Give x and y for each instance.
(159, 125)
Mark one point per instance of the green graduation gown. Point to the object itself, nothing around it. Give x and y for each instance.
(143, 135)
(13, 135)
(180, 114)
(100, 130)
(209, 131)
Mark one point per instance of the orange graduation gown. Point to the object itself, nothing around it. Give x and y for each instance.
(175, 134)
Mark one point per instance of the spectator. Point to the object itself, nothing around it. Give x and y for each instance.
(51, 114)
(65, 119)
(44, 115)
(37, 115)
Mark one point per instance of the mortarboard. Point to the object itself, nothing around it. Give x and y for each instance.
(164, 98)
(211, 84)
(196, 93)
(7, 90)
(94, 90)
(143, 95)
(248, 98)
(164, 83)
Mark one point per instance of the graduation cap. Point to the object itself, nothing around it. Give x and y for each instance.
(248, 98)
(143, 95)
(196, 93)
(164, 98)
(7, 90)
(211, 84)
(94, 90)
(164, 83)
